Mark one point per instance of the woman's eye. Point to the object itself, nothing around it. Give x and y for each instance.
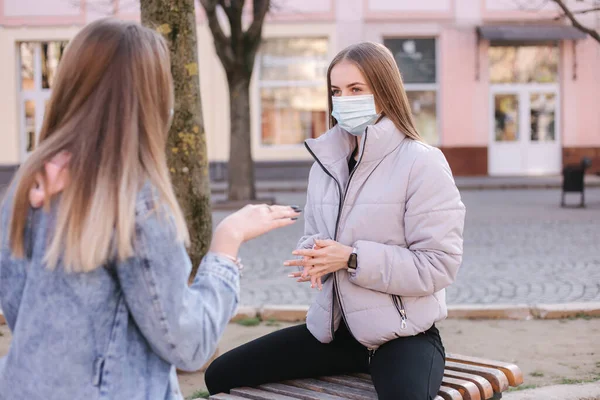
(355, 90)
(335, 92)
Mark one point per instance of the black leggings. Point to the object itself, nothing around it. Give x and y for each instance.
(403, 369)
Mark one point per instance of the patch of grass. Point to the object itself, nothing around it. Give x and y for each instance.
(597, 364)
(522, 387)
(568, 381)
(273, 322)
(249, 321)
(537, 374)
(583, 316)
(198, 394)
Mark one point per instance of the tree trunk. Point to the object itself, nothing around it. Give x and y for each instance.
(241, 167)
(186, 145)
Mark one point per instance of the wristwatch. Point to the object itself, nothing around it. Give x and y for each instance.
(352, 261)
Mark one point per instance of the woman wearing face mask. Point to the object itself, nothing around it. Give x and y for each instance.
(383, 239)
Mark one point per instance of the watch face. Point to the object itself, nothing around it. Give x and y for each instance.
(352, 261)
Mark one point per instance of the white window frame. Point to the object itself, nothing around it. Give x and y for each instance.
(38, 95)
(419, 87)
(283, 84)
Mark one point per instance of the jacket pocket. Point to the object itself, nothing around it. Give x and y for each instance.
(399, 304)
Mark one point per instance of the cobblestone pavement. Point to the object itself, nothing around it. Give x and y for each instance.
(520, 247)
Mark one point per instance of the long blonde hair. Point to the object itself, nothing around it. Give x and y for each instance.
(379, 68)
(110, 108)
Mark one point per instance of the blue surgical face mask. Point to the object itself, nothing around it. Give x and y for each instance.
(354, 113)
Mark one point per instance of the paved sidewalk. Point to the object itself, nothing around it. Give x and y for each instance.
(520, 248)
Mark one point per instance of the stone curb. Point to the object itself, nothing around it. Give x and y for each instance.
(218, 188)
(244, 312)
(285, 313)
(508, 311)
(467, 311)
(568, 310)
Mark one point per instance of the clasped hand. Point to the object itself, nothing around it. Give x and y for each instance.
(325, 257)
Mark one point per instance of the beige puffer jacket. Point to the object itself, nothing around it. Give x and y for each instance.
(401, 210)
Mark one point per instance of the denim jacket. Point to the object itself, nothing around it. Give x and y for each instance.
(119, 331)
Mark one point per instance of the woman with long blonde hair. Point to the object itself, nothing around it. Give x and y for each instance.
(93, 267)
(383, 239)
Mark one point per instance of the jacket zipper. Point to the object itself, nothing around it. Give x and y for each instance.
(399, 304)
(337, 223)
(339, 186)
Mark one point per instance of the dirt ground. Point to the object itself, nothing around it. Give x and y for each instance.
(548, 352)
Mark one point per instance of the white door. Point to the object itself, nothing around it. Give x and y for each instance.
(524, 130)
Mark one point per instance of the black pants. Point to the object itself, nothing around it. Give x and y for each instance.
(403, 369)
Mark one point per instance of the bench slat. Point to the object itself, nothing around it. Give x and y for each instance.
(298, 393)
(465, 378)
(485, 388)
(467, 389)
(350, 381)
(223, 396)
(495, 377)
(513, 373)
(258, 394)
(449, 394)
(332, 388)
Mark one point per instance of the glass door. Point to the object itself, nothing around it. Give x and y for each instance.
(524, 131)
(524, 104)
(543, 149)
(506, 148)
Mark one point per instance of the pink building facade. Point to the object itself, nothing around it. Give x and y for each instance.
(500, 89)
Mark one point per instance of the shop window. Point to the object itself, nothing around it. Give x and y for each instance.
(293, 90)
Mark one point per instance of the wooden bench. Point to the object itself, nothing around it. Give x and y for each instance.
(465, 378)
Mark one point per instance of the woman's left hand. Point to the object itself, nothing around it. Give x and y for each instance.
(330, 256)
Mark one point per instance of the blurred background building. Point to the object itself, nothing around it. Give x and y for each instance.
(501, 86)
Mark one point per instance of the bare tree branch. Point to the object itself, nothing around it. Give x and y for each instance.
(222, 42)
(589, 10)
(234, 11)
(260, 10)
(569, 14)
(562, 15)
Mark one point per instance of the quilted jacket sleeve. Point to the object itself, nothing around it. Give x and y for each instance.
(434, 222)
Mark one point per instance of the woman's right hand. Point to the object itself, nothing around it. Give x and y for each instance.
(303, 276)
(248, 223)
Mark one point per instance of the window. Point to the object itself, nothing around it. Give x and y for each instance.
(38, 62)
(416, 59)
(293, 90)
(523, 64)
